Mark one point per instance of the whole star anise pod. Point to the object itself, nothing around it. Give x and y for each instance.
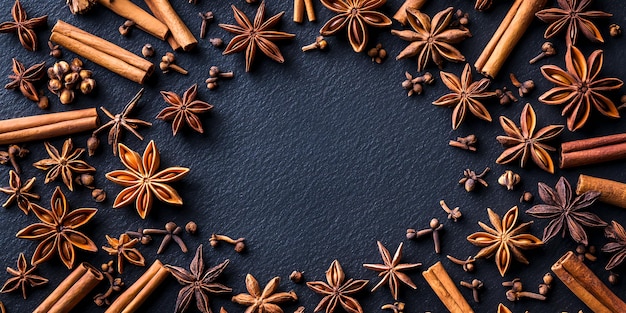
(19, 192)
(579, 87)
(354, 16)
(566, 211)
(184, 110)
(258, 35)
(143, 182)
(392, 270)
(124, 249)
(465, 95)
(572, 17)
(338, 291)
(505, 240)
(23, 277)
(615, 232)
(431, 40)
(57, 230)
(24, 79)
(198, 283)
(524, 143)
(24, 26)
(65, 164)
(266, 300)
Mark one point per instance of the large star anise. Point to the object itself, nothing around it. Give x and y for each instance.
(579, 87)
(336, 291)
(566, 211)
(354, 16)
(183, 110)
(524, 143)
(573, 17)
(65, 163)
(23, 277)
(257, 35)
(143, 182)
(431, 40)
(24, 26)
(57, 230)
(19, 192)
(124, 249)
(198, 283)
(23, 78)
(465, 95)
(391, 270)
(615, 232)
(266, 300)
(504, 240)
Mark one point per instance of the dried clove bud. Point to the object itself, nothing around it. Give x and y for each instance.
(585, 252)
(147, 50)
(465, 143)
(523, 88)
(396, 307)
(433, 229)
(547, 49)
(476, 285)
(545, 286)
(453, 214)
(468, 264)
(167, 64)
(415, 85)
(126, 27)
(509, 179)
(613, 278)
(470, 178)
(378, 53)
(86, 180)
(239, 243)
(462, 18)
(615, 30)
(98, 195)
(55, 51)
(296, 277)
(506, 96)
(320, 43)
(206, 19)
(215, 74)
(527, 196)
(216, 42)
(191, 227)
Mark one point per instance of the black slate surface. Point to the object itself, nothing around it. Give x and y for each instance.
(313, 160)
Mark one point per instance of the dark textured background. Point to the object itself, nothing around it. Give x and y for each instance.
(312, 160)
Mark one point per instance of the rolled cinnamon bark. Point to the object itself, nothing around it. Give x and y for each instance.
(611, 192)
(400, 15)
(47, 126)
(143, 20)
(593, 150)
(21, 123)
(163, 11)
(310, 10)
(136, 295)
(71, 290)
(298, 11)
(441, 283)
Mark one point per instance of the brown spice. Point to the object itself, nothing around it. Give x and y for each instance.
(509, 179)
(168, 63)
(547, 49)
(468, 264)
(80, 6)
(239, 243)
(124, 249)
(64, 164)
(296, 277)
(23, 277)
(617, 246)
(191, 227)
(142, 19)
(24, 79)
(115, 285)
(466, 143)
(171, 232)
(453, 214)
(76, 286)
(23, 26)
(99, 195)
(337, 290)
(138, 293)
(470, 178)
(125, 28)
(392, 271)
(206, 19)
(265, 300)
(441, 283)
(615, 30)
(433, 229)
(476, 285)
(19, 193)
(183, 110)
(572, 18)
(378, 53)
(523, 88)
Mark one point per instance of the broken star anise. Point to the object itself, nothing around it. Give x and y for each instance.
(266, 300)
(573, 17)
(579, 88)
(391, 270)
(615, 232)
(124, 249)
(184, 110)
(338, 291)
(24, 26)
(24, 79)
(65, 164)
(524, 143)
(19, 192)
(23, 277)
(505, 240)
(80, 6)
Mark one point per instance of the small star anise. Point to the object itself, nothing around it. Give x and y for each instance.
(265, 301)
(65, 163)
(19, 193)
(579, 87)
(124, 248)
(615, 232)
(431, 40)
(524, 143)
(57, 230)
(573, 17)
(257, 35)
(24, 78)
(336, 291)
(566, 211)
(143, 182)
(465, 95)
(504, 240)
(24, 26)
(354, 16)
(198, 283)
(183, 110)
(391, 270)
(22, 278)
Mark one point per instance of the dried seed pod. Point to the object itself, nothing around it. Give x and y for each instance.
(613, 279)
(87, 85)
(98, 195)
(147, 50)
(92, 145)
(296, 277)
(191, 227)
(509, 179)
(125, 28)
(66, 96)
(615, 30)
(43, 102)
(216, 42)
(55, 51)
(527, 196)
(547, 49)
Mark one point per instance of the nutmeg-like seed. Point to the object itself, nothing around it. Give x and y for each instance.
(191, 227)
(296, 277)
(147, 50)
(98, 195)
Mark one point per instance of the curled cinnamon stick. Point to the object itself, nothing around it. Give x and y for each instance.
(138, 293)
(163, 11)
(593, 150)
(441, 283)
(400, 15)
(310, 10)
(611, 192)
(143, 20)
(71, 290)
(298, 11)
(46, 126)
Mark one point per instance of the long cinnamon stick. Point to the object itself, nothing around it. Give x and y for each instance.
(400, 15)
(163, 11)
(507, 36)
(298, 11)
(593, 150)
(441, 283)
(611, 192)
(136, 295)
(143, 20)
(21, 123)
(46, 126)
(71, 290)
(586, 285)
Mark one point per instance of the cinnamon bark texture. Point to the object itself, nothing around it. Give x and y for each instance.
(47, 126)
(71, 290)
(400, 15)
(138, 293)
(143, 20)
(441, 283)
(611, 192)
(507, 36)
(181, 34)
(586, 285)
(593, 150)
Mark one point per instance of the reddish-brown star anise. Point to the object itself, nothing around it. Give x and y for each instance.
(616, 233)
(23, 277)
(266, 300)
(24, 79)
(184, 110)
(573, 17)
(64, 164)
(24, 26)
(124, 249)
(337, 291)
(19, 192)
(392, 271)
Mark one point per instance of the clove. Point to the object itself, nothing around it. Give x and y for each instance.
(434, 228)
(523, 88)
(167, 64)
(215, 74)
(206, 19)
(396, 307)
(476, 285)
(320, 43)
(506, 96)
(465, 143)
(509, 179)
(126, 27)
(11, 155)
(238, 243)
(547, 49)
(453, 214)
(468, 265)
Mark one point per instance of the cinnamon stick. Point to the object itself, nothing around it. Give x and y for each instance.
(441, 283)
(71, 290)
(611, 192)
(310, 10)
(593, 150)
(47, 126)
(298, 11)
(163, 11)
(143, 20)
(586, 285)
(507, 36)
(136, 295)
(400, 15)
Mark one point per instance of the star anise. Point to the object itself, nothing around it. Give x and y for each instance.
(483, 5)
(265, 301)
(183, 110)
(431, 40)
(121, 121)
(143, 182)
(19, 193)
(23, 277)
(615, 232)
(257, 35)
(66, 163)
(573, 17)
(579, 87)
(391, 270)
(524, 143)
(24, 26)
(566, 211)
(354, 16)
(57, 230)
(24, 79)
(80, 6)
(124, 248)
(198, 283)
(504, 240)
(336, 291)
(465, 95)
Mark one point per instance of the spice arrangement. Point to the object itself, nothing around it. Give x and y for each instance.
(313, 158)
